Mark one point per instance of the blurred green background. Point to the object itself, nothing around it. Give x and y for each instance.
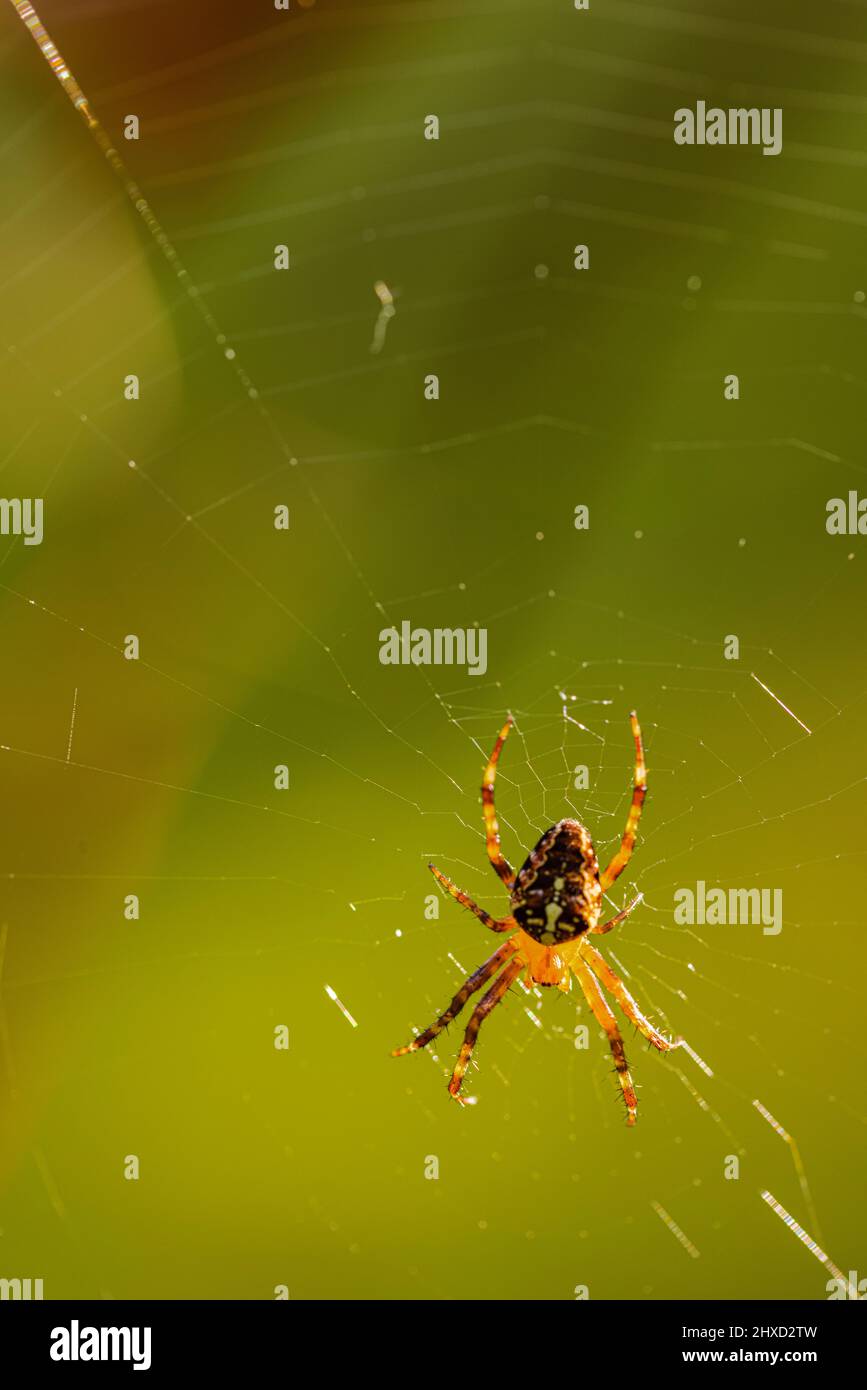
(259, 647)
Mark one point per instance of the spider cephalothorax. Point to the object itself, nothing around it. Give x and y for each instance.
(556, 903)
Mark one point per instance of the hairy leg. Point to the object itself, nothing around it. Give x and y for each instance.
(488, 1002)
(602, 927)
(613, 982)
(606, 1019)
(493, 923)
(639, 791)
(492, 829)
(468, 988)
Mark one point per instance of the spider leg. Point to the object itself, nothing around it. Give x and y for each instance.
(605, 1017)
(621, 917)
(480, 1013)
(469, 987)
(639, 791)
(613, 982)
(495, 924)
(492, 829)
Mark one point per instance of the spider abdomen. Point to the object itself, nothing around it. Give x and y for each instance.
(557, 895)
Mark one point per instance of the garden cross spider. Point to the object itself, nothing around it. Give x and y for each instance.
(556, 902)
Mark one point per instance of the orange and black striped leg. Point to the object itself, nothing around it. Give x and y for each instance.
(494, 923)
(606, 1019)
(621, 917)
(599, 965)
(639, 791)
(492, 829)
(480, 1013)
(468, 988)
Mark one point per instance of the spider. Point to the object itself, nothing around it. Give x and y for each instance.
(556, 903)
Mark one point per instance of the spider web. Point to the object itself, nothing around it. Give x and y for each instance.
(678, 973)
